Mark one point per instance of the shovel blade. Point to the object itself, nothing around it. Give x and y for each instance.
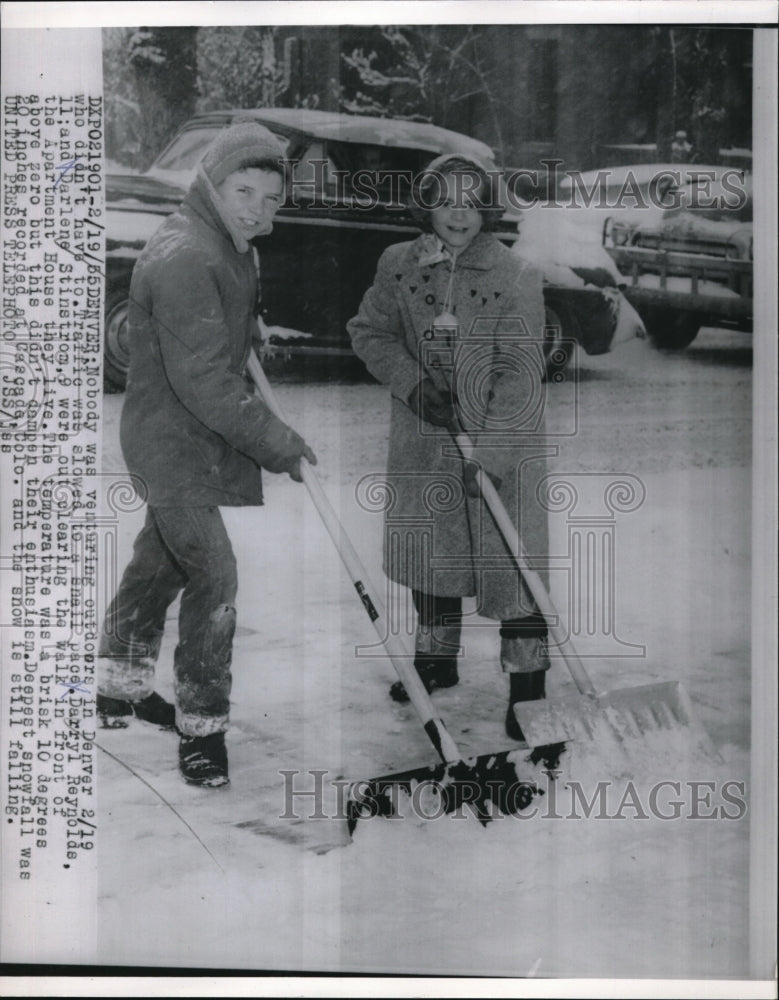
(622, 722)
(504, 781)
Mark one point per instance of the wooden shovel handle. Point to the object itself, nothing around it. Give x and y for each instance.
(529, 575)
(374, 606)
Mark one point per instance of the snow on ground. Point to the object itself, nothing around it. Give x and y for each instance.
(556, 897)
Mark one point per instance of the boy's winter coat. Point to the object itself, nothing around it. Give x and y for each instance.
(437, 539)
(192, 429)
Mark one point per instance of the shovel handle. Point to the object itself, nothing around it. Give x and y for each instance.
(374, 607)
(529, 575)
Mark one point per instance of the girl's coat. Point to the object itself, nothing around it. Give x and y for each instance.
(437, 539)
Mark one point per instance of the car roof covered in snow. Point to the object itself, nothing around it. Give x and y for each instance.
(354, 128)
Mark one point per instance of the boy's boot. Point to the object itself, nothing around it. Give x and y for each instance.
(114, 712)
(524, 656)
(203, 760)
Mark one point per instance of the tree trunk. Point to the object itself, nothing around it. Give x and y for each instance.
(164, 63)
(667, 71)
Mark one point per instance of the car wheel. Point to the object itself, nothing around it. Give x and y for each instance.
(559, 334)
(116, 349)
(671, 330)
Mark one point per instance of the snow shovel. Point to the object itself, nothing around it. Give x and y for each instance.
(505, 780)
(622, 723)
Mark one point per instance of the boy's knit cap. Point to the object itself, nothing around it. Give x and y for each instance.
(239, 145)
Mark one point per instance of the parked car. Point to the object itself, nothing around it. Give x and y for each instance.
(709, 210)
(327, 237)
(685, 249)
(690, 262)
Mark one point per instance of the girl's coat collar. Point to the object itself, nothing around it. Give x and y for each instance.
(480, 254)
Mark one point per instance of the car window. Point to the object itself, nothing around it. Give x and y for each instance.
(365, 156)
(313, 173)
(386, 169)
(329, 166)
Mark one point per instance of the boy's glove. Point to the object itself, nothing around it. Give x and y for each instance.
(469, 479)
(285, 449)
(432, 405)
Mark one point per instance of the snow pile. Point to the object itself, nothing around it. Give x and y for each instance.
(571, 256)
(615, 871)
(629, 323)
(282, 333)
(624, 892)
(550, 238)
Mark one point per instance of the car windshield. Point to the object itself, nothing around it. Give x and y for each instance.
(713, 199)
(187, 150)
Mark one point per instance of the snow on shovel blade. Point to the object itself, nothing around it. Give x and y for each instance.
(654, 720)
(505, 781)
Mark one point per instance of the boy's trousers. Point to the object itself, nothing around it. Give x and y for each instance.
(187, 550)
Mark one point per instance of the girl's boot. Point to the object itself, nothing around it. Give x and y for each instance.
(525, 658)
(437, 644)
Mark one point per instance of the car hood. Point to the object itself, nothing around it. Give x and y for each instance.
(142, 193)
(136, 207)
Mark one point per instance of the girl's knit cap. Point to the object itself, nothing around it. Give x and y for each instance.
(238, 146)
(491, 200)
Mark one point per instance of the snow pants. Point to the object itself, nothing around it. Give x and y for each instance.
(179, 550)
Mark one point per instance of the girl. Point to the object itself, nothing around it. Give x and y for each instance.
(453, 325)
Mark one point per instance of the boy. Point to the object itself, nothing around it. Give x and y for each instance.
(195, 437)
